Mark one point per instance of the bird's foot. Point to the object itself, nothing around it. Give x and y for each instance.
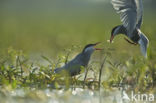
(130, 41)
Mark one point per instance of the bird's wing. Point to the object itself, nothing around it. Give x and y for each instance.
(128, 10)
(139, 13)
(73, 66)
(143, 44)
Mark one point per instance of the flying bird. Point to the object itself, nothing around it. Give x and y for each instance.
(131, 13)
(74, 66)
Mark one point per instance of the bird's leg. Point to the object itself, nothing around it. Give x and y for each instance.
(130, 41)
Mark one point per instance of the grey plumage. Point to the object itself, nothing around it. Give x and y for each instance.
(131, 13)
(143, 41)
(74, 66)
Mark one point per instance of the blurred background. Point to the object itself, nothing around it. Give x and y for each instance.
(46, 27)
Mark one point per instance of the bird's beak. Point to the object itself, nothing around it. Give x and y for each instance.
(111, 38)
(96, 45)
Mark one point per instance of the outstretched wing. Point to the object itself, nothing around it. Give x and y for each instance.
(130, 13)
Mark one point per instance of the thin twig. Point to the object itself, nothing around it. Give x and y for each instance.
(67, 56)
(86, 72)
(47, 59)
(100, 72)
(20, 64)
(17, 59)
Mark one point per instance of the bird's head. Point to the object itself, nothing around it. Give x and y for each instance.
(90, 48)
(115, 31)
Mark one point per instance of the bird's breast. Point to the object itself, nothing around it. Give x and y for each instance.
(135, 36)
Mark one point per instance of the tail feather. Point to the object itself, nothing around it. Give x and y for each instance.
(143, 44)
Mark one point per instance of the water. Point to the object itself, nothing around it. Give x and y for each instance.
(77, 95)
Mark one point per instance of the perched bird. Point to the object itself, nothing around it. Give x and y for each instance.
(131, 12)
(73, 67)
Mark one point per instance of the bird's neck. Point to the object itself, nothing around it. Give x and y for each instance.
(120, 29)
(86, 57)
(135, 36)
